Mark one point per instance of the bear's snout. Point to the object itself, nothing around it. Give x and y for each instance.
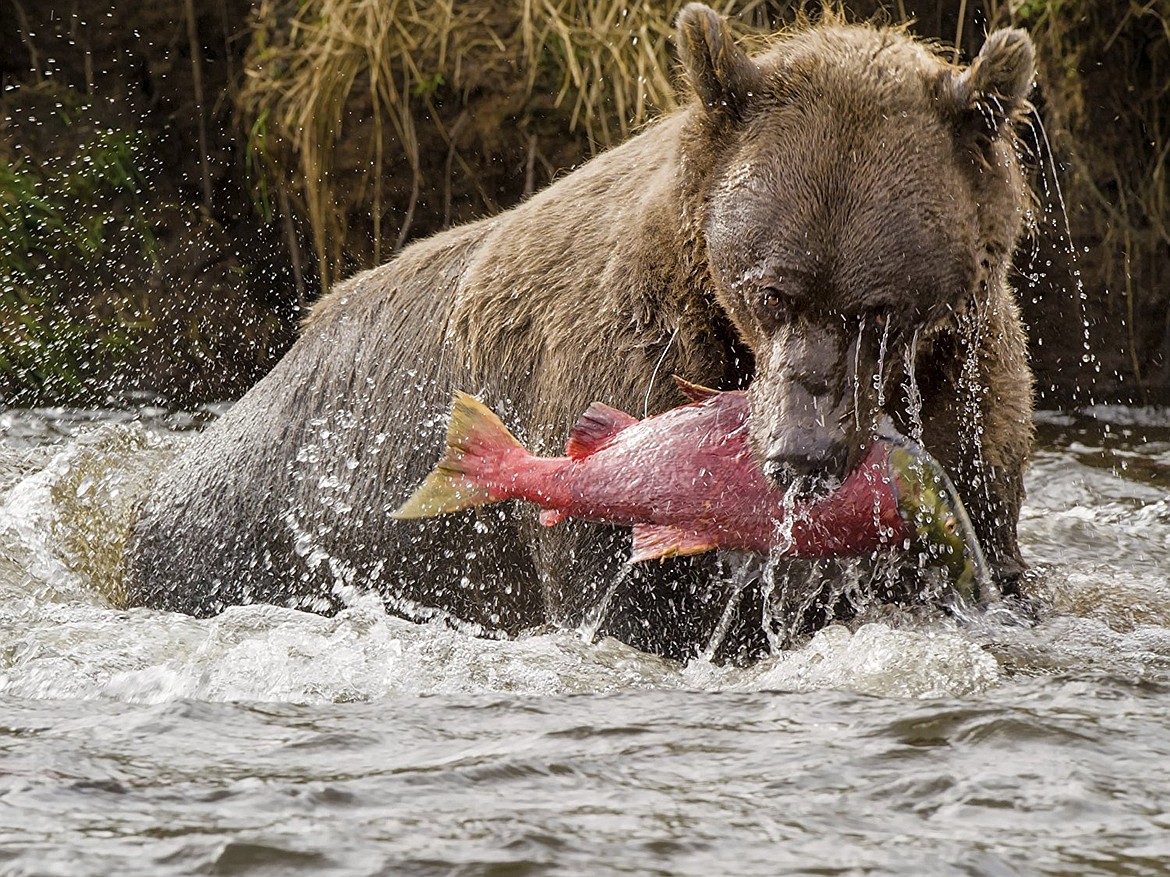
(802, 407)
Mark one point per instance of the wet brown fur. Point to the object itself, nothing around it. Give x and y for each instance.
(580, 294)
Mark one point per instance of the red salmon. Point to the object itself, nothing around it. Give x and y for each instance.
(685, 479)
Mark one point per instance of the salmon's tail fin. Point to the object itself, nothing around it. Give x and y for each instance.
(475, 440)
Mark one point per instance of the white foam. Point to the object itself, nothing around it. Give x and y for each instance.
(876, 659)
(27, 516)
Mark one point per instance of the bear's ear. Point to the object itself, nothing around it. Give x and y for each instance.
(1000, 77)
(721, 72)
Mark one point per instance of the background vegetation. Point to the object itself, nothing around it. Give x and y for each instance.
(177, 183)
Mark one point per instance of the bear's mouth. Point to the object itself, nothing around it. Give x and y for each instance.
(811, 486)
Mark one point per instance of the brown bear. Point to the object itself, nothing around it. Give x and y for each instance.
(829, 222)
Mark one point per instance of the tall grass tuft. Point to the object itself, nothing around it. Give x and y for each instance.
(389, 68)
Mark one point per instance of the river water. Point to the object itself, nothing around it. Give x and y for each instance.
(272, 742)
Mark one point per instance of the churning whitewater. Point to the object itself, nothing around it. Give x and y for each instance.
(1025, 739)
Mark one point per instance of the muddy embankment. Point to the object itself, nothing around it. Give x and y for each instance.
(177, 181)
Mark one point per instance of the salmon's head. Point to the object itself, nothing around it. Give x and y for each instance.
(943, 537)
(858, 194)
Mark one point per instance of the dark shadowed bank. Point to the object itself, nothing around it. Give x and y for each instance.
(178, 180)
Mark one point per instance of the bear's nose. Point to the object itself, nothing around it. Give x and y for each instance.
(815, 465)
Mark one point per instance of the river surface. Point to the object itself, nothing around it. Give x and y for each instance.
(272, 742)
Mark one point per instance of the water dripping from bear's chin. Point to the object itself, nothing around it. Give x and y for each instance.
(879, 376)
(791, 598)
(913, 394)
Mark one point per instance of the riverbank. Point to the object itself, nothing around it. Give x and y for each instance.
(178, 183)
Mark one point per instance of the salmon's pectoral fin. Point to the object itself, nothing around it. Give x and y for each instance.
(694, 392)
(596, 429)
(652, 541)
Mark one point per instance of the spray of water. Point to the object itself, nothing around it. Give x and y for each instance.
(879, 375)
(972, 329)
(913, 395)
(776, 574)
(774, 618)
(1047, 165)
(857, 373)
(599, 611)
(742, 576)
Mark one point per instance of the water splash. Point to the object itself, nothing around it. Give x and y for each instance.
(775, 569)
(913, 395)
(972, 329)
(874, 659)
(879, 376)
(783, 538)
(776, 621)
(743, 576)
(857, 373)
(597, 613)
(790, 588)
(71, 519)
(1099, 532)
(1047, 162)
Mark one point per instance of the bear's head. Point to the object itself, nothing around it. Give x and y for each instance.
(860, 194)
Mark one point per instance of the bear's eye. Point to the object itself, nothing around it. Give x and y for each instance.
(773, 301)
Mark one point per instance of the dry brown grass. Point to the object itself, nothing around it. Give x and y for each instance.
(381, 67)
(297, 93)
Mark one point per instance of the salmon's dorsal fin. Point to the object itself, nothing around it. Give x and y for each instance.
(653, 541)
(694, 392)
(596, 429)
